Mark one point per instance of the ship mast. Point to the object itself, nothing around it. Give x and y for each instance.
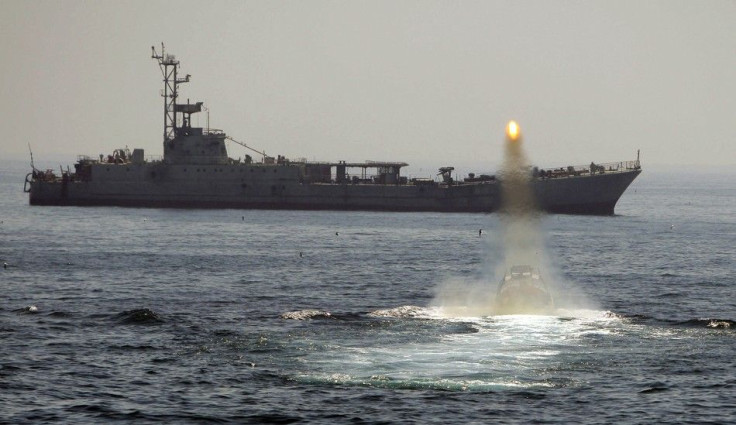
(169, 69)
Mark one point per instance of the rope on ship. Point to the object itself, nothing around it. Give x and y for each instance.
(246, 146)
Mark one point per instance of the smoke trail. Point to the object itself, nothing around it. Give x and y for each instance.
(520, 218)
(521, 242)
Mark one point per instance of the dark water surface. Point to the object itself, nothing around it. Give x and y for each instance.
(191, 316)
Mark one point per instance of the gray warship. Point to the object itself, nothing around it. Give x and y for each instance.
(196, 172)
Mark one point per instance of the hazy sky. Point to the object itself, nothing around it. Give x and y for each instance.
(426, 82)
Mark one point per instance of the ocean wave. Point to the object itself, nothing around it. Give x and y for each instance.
(60, 314)
(632, 318)
(404, 311)
(691, 323)
(710, 323)
(305, 314)
(141, 316)
(31, 309)
(654, 389)
(436, 384)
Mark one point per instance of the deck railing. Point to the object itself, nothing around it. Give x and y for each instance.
(592, 168)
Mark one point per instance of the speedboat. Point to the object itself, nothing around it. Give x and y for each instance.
(522, 291)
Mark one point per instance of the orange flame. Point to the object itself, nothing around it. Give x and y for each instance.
(513, 131)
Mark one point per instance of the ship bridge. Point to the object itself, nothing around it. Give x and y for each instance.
(184, 144)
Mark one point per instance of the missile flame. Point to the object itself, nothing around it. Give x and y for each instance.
(513, 132)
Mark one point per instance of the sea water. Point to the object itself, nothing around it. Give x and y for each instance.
(194, 316)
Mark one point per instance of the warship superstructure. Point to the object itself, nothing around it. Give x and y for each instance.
(196, 172)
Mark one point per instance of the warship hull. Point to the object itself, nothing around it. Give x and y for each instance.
(278, 187)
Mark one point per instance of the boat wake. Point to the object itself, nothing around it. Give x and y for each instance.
(434, 348)
(445, 352)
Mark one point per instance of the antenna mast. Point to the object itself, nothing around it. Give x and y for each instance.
(31, 152)
(169, 69)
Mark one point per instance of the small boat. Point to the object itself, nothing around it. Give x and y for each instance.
(522, 291)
